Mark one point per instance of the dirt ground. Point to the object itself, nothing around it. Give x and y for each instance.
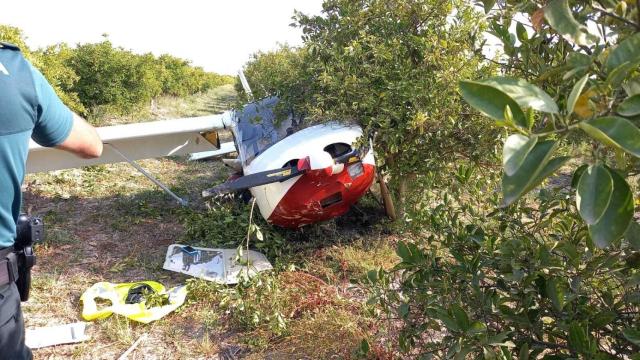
(109, 223)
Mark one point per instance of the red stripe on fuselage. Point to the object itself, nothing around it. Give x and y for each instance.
(301, 205)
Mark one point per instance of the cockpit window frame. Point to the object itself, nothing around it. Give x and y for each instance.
(256, 128)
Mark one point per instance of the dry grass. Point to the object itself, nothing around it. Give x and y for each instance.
(108, 223)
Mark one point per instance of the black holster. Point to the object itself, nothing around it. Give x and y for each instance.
(29, 231)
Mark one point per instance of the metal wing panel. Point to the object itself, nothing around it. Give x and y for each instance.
(136, 141)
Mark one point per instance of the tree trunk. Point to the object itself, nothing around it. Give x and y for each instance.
(401, 197)
(403, 182)
(386, 198)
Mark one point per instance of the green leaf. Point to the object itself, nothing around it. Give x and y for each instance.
(627, 51)
(521, 31)
(632, 87)
(403, 252)
(555, 293)
(634, 280)
(372, 275)
(615, 220)
(633, 335)
(403, 310)
(578, 338)
(497, 339)
(523, 354)
(577, 59)
(614, 131)
(491, 101)
(593, 193)
(577, 175)
(488, 5)
(619, 74)
(575, 93)
(447, 320)
(553, 165)
(632, 235)
(462, 319)
(630, 106)
(524, 93)
(489, 354)
(533, 170)
(575, 71)
(477, 328)
(364, 347)
(558, 15)
(602, 319)
(516, 149)
(259, 235)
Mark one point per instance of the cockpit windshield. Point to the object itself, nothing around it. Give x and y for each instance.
(256, 128)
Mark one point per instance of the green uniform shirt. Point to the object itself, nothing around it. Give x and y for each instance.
(29, 108)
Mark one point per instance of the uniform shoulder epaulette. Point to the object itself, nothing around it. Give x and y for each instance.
(8, 46)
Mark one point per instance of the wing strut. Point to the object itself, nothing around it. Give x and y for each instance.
(180, 200)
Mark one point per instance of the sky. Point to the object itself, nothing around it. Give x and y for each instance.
(219, 35)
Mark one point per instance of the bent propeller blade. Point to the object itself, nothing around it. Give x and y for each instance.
(253, 180)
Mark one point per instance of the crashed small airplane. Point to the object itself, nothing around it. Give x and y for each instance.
(298, 175)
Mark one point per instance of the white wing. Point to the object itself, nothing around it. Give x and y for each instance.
(138, 141)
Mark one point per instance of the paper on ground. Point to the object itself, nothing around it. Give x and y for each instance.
(217, 265)
(56, 335)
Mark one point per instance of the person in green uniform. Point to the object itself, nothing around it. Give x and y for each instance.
(29, 109)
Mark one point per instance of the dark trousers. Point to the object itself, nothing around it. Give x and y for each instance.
(12, 345)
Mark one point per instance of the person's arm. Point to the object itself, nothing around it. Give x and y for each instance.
(57, 126)
(83, 140)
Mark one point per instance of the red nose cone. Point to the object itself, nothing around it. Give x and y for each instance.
(317, 196)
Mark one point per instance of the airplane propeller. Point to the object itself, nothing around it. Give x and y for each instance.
(280, 175)
(259, 178)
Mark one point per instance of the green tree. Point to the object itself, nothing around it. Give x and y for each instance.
(388, 65)
(113, 76)
(15, 36)
(592, 93)
(553, 273)
(286, 72)
(53, 62)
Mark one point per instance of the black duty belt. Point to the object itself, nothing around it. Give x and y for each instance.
(8, 266)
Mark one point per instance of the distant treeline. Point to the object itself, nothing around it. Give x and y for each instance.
(100, 77)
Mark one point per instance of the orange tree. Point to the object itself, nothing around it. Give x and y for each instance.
(554, 273)
(389, 67)
(113, 76)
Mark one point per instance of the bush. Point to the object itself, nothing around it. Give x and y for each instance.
(113, 76)
(554, 274)
(482, 281)
(53, 62)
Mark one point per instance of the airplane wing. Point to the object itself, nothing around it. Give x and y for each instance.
(140, 141)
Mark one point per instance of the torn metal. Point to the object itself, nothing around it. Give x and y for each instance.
(218, 265)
